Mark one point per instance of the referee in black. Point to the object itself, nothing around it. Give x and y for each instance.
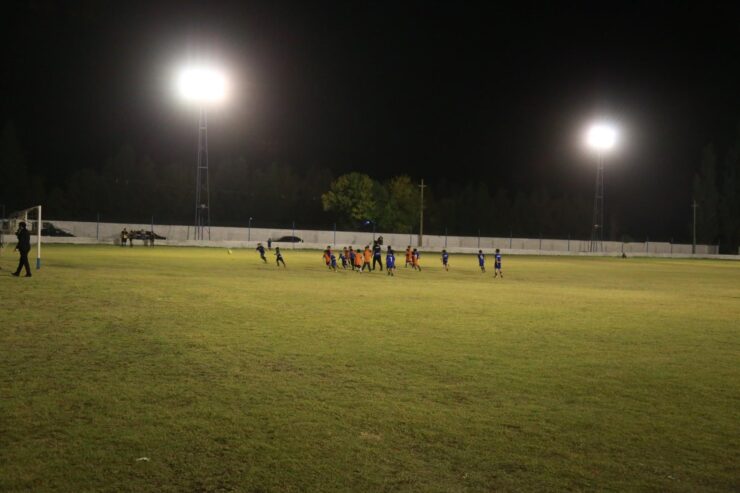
(376, 255)
(23, 247)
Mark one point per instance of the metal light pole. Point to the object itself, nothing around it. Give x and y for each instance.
(421, 213)
(693, 244)
(202, 198)
(597, 229)
(203, 86)
(601, 138)
(249, 231)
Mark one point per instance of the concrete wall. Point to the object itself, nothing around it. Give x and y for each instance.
(110, 232)
(90, 232)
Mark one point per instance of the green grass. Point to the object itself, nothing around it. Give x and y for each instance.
(230, 375)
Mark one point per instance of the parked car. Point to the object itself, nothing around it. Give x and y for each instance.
(288, 239)
(50, 230)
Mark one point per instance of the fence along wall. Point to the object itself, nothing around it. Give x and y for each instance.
(87, 232)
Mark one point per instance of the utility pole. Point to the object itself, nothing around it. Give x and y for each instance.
(693, 244)
(421, 213)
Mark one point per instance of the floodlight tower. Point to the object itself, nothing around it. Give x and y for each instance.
(203, 86)
(601, 138)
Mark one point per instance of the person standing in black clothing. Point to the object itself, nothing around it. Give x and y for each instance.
(376, 255)
(23, 247)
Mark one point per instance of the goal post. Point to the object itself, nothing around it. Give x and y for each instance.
(34, 224)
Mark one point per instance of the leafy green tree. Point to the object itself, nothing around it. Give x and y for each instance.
(398, 204)
(351, 197)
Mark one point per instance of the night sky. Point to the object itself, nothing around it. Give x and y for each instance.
(456, 90)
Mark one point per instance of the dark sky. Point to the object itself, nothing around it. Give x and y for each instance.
(457, 90)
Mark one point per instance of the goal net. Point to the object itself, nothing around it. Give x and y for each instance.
(32, 218)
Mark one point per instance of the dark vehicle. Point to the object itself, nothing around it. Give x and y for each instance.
(144, 235)
(50, 230)
(288, 239)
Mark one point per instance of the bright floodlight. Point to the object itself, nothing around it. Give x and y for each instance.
(601, 137)
(202, 85)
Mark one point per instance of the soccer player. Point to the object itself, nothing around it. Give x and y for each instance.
(327, 257)
(481, 261)
(343, 258)
(261, 249)
(390, 261)
(358, 261)
(368, 254)
(445, 260)
(346, 253)
(409, 258)
(497, 265)
(333, 262)
(124, 237)
(352, 257)
(279, 257)
(415, 259)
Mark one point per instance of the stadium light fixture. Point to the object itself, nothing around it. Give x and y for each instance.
(202, 84)
(601, 137)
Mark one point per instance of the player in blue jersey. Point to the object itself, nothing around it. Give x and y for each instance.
(445, 260)
(333, 262)
(481, 261)
(497, 265)
(390, 261)
(261, 249)
(343, 259)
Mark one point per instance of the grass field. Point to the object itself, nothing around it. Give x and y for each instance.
(230, 375)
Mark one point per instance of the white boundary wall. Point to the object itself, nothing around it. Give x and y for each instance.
(109, 233)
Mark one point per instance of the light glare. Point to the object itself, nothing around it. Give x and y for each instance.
(202, 85)
(601, 137)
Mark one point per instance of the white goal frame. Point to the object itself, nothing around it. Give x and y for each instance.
(10, 225)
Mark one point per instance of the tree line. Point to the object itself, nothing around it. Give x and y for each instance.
(130, 188)
(716, 195)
